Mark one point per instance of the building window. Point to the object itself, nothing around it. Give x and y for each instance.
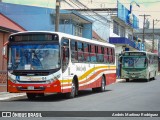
(78, 30)
(122, 31)
(115, 28)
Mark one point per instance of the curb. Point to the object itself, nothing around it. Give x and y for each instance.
(119, 80)
(7, 95)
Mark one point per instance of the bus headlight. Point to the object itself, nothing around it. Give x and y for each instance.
(49, 81)
(12, 80)
(52, 79)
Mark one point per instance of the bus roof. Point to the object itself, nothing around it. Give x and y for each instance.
(142, 52)
(68, 36)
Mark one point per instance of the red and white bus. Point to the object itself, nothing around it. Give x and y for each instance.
(42, 62)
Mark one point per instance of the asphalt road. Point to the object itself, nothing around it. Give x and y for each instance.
(132, 96)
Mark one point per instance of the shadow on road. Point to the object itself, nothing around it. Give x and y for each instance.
(56, 97)
(137, 81)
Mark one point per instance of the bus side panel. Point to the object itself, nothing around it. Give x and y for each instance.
(66, 90)
(110, 78)
(91, 78)
(94, 84)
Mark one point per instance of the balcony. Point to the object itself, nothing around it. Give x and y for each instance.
(123, 41)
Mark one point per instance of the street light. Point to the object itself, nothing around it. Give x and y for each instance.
(131, 16)
(133, 2)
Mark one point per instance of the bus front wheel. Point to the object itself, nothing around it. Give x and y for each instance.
(73, 92)
(148, 79)
(154, 76)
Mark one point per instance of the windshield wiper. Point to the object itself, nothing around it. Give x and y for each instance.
(35, 55)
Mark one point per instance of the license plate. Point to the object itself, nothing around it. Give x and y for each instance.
(30, 88)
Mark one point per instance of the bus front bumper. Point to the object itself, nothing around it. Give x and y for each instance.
(54, 87)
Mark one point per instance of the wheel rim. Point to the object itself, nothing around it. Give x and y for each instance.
(73, 89)
(103, 84)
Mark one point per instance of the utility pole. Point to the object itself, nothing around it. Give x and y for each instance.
(57, 15)
(153, 38)
(153, 34)
(143, 40)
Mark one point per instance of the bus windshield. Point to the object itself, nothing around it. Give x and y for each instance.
(33, 57)
(134, 62)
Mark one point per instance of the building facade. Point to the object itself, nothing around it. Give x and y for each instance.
(7, 26)
(38, 18)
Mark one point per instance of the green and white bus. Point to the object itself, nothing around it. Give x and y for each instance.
(138, 65)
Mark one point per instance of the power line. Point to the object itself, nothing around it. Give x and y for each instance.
(85, 12)
(127, 2)
(144, 11)
(144, 25)
(93, 11)
(91, 16)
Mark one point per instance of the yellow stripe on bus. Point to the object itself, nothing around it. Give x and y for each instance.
(88, 72)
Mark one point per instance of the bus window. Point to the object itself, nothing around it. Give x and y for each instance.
(113, 55)
(86, 52)
(65, 53)
(110, 55)
(102, 49)
(80, 52)
(93, 54)
(105, 55)
(100, 57)
(74, 54)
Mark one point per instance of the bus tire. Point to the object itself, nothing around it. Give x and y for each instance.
(148, 79)
(103, 86)
(31, 96)
(127, 80)
(154, 76)
(73, 92)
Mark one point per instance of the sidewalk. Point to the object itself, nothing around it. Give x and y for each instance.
(7, 95)
(120, 80)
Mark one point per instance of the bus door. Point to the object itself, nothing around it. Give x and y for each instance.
(65, 60)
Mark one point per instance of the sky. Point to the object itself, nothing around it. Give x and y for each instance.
(148, 7)
(42, 3)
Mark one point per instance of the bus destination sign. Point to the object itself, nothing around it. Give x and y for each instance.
(135, 53)
(33, 37)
